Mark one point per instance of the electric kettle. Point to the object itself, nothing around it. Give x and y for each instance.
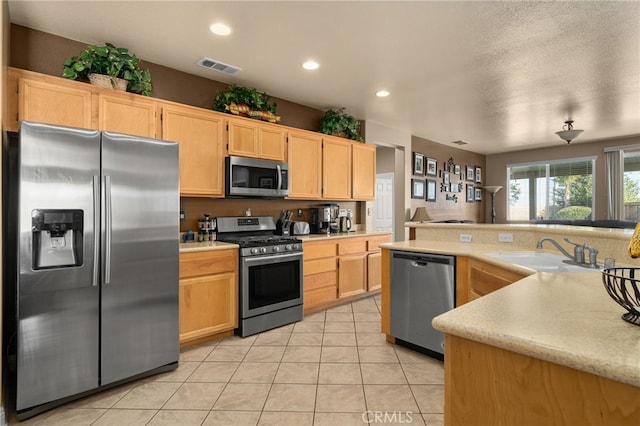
(345, 224)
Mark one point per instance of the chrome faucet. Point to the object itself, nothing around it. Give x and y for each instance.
(578, 252)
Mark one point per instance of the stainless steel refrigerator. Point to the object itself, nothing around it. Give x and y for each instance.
(91, 261)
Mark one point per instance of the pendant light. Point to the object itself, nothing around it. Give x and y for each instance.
(568, 133)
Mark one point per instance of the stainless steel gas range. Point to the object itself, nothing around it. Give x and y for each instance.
(270, 273)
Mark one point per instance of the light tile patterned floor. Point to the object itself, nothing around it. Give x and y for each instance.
(334, 368)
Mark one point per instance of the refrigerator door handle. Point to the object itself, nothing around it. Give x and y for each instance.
(96, 230)
(107, 230)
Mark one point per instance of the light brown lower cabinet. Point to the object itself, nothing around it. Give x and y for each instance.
(339, 268)
(475, 279)
(486, 385)
(208, 293)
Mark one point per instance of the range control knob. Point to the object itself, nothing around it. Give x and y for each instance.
(254, 251)
(296, 246)
(288, 247)
(263, 249)
(276, 249)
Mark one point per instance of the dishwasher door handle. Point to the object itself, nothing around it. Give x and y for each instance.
(422, 264)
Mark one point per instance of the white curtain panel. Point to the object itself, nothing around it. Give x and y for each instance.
(614, 170)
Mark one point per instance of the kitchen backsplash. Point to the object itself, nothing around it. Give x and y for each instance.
(195, 208)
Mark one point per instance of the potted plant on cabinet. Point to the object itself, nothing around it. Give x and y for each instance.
(246, 102)
(109, 66)
(338, 123)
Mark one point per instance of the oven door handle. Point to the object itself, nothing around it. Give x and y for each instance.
(273, 258)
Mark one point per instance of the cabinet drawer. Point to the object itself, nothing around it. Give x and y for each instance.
(352, 245)
(323, 279)
(208, 262)
(319, 265)
(319, 250)
(319, 296)
(374, 242)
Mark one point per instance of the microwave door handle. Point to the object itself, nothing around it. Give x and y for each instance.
(279, 176)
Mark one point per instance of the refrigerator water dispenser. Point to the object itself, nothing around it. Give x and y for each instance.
(57, 238)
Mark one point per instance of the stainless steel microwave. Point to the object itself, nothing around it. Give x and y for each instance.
(251, 177)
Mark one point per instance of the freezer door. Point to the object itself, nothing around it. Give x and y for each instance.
(57, 306)
(140, 255)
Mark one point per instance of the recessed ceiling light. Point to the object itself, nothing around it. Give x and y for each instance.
(220, 29)
(310, 65)
(382, 93)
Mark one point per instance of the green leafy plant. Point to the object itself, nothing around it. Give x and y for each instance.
(243, 101)
(340, 124)
(115, 62)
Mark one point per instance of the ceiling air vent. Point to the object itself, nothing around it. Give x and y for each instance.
(212, 64)
(461, 142)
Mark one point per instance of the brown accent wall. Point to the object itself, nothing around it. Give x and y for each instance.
(195, 208)
(443, 209)
(45, 53)
(496, 173)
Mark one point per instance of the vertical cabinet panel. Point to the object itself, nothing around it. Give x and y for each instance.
(336, 176)
(271, 143)
(352, 275)
(374, 268)
(243, 138)
(364, 171)
(132, 115)
(200, 135)
(49, 103)
(305, 166)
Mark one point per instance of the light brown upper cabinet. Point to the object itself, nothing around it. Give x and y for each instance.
(305, 165)
(336, 168)
(59, 102)
(126, 113)
(364, 171)
(200, 135)
(251, 138)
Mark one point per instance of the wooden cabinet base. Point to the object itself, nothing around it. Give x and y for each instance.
(195, 342)
(336, 302)
(485, 385)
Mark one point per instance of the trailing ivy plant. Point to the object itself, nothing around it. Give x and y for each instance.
(340, 124)
(115, 62)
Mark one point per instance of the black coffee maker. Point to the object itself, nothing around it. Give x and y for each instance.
(324, 219)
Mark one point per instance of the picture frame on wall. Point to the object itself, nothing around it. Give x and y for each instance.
(478, 174)
(418, 164)
(456, 169)
(446, 179)
(470, 174)
(478, 192)
(417, 189)
(432, 167)
(454, 187)
(431, 190)
(471, 194)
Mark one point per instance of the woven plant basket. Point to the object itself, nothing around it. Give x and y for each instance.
(108, 82)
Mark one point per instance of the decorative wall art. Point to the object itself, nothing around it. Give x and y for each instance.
(478, 194)
(446, 179)
(431, 190)
(432, 167)
(471, 195)
(470, 174)
(418, 164)
(417, 189)
(478, 176)
(456, 169)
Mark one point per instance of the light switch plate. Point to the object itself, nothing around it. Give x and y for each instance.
(505, 237)
(182, 215)
(466, 238)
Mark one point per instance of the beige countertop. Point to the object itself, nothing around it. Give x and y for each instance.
(564, 318)
(206, 245)
(335, 235)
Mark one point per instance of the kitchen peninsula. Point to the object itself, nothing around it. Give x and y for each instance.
(550, 348)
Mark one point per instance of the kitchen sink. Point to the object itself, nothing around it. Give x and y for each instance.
(540, 261)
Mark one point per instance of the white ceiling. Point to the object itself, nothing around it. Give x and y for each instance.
(503, 76)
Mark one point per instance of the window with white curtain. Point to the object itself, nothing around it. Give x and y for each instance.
(631, 186)
(561, 189)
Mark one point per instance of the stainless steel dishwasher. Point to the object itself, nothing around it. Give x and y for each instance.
(422, 287)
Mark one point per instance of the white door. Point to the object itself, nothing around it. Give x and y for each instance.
(383, 207)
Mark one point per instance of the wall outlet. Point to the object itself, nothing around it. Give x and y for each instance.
(299, 212)
(182, 214)
(504, 237)
(466, 238)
